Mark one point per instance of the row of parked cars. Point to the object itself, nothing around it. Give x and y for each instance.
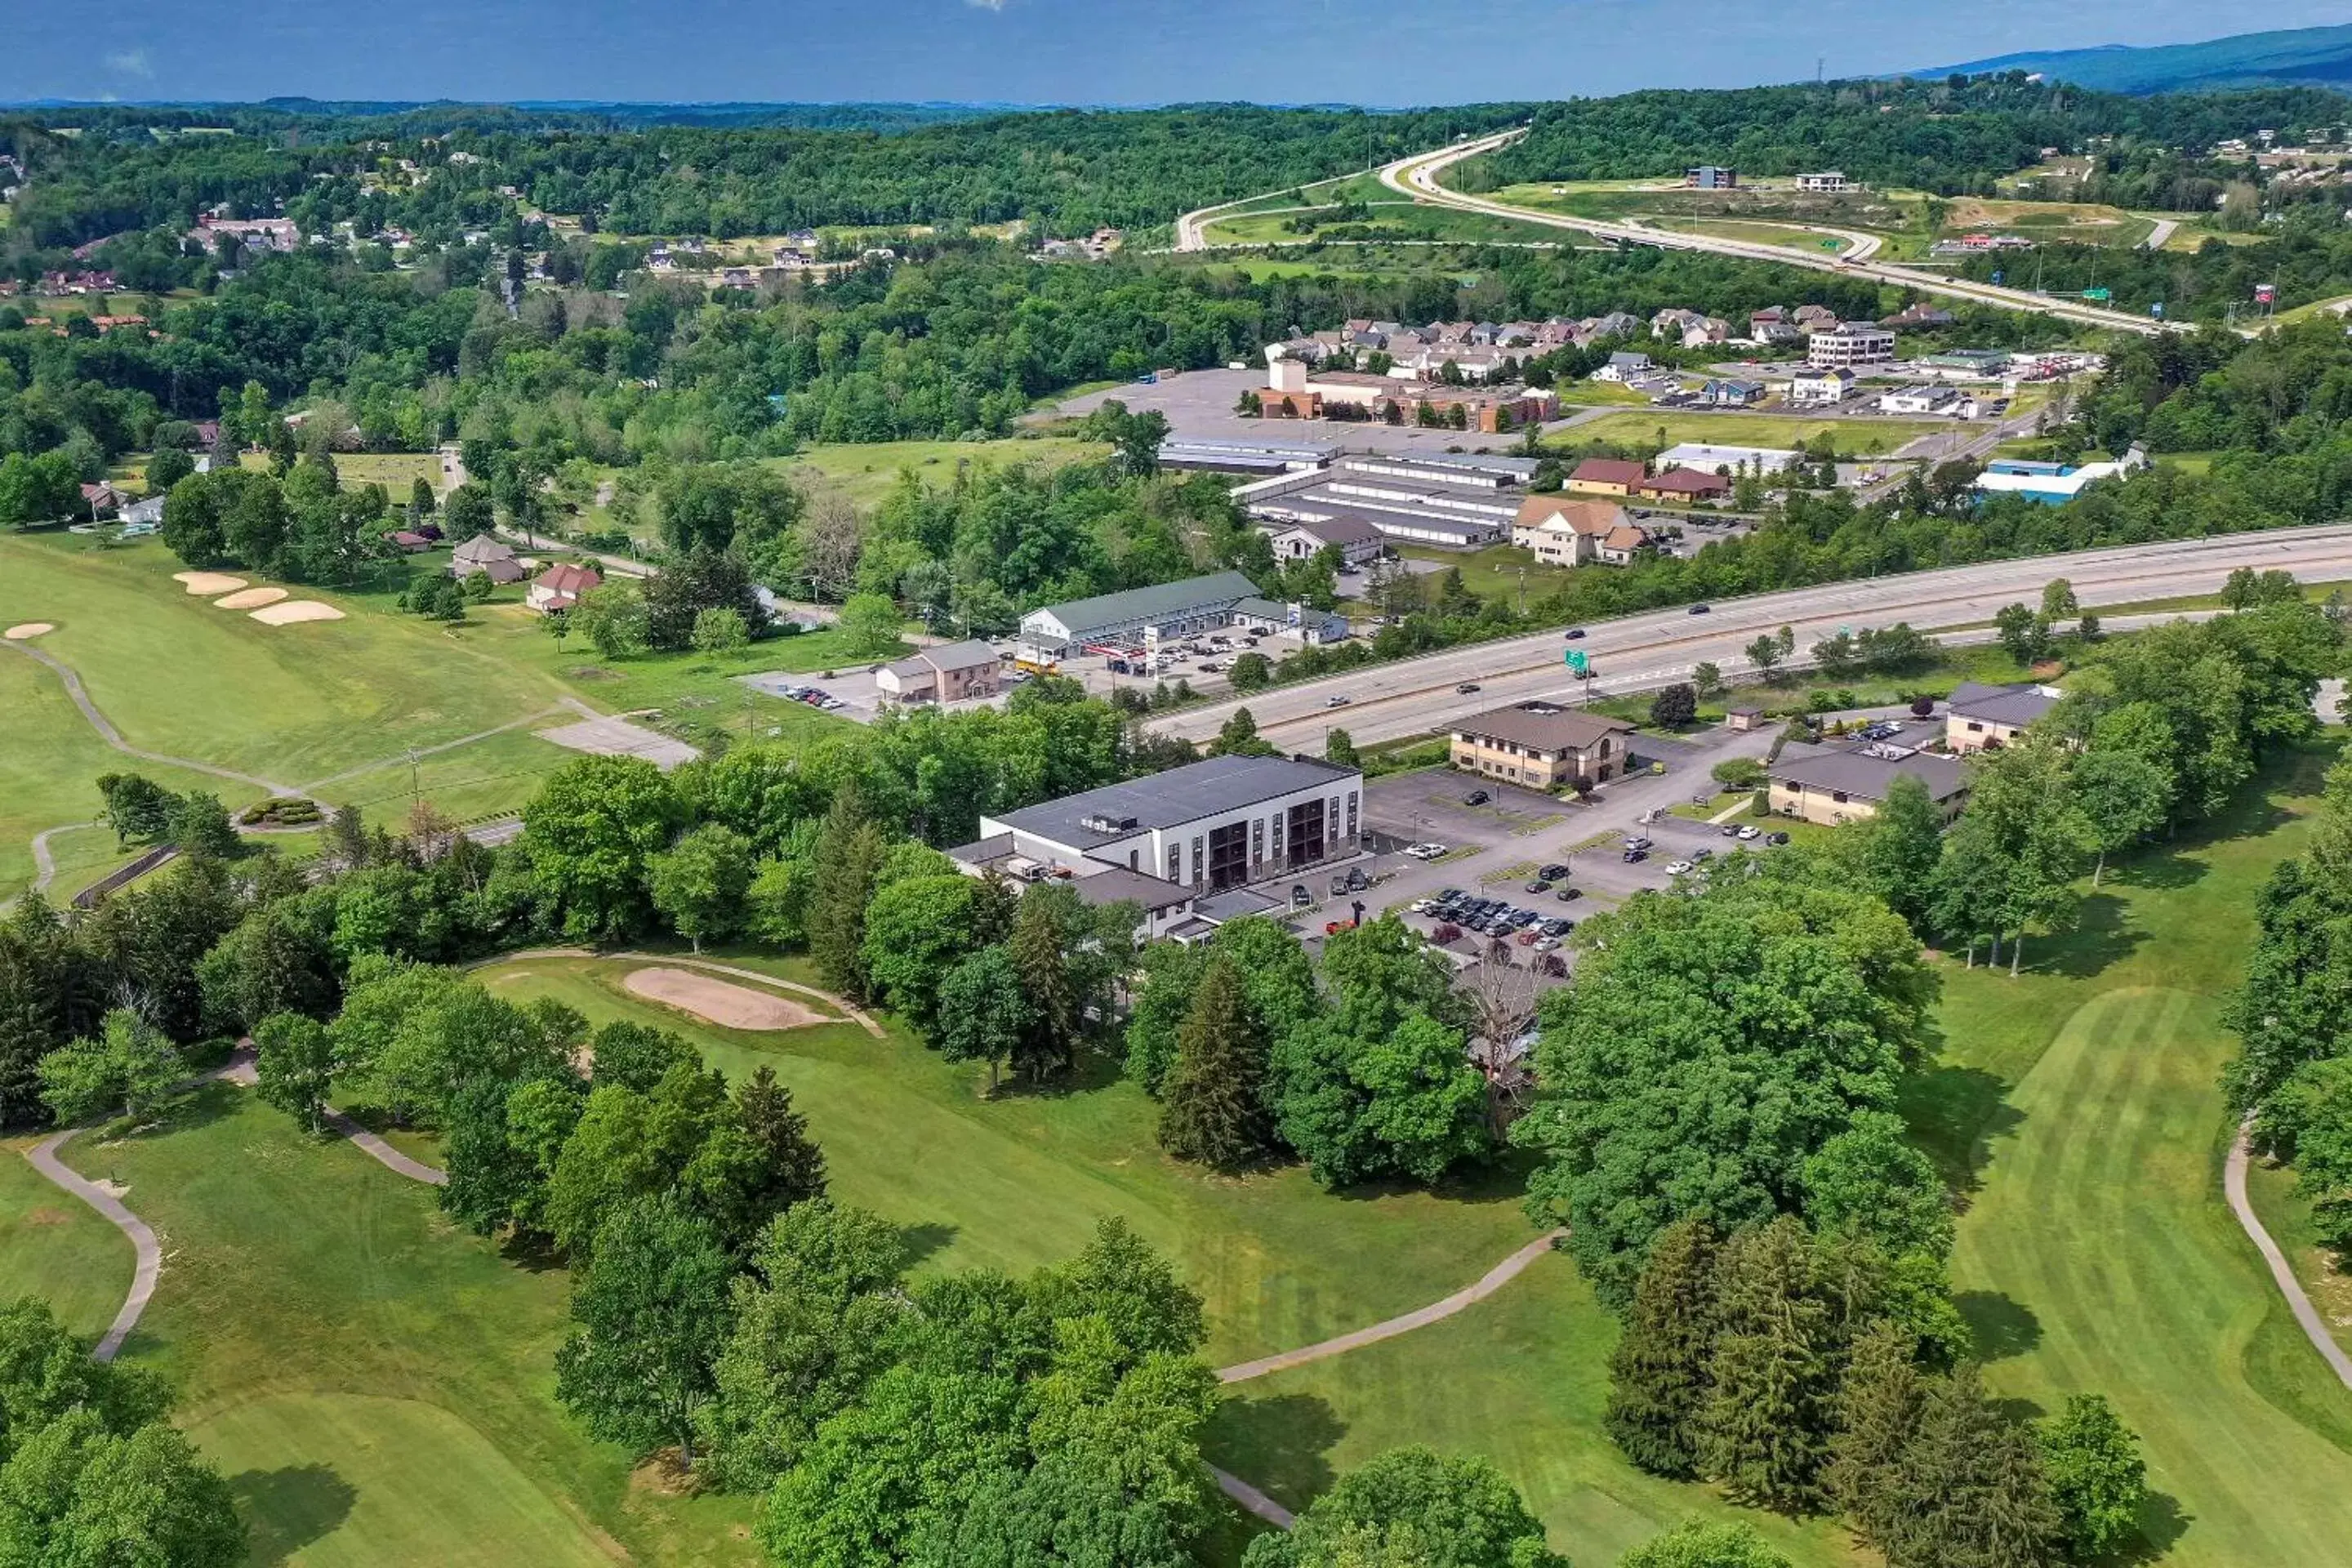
(815, 696)
(1494, 918)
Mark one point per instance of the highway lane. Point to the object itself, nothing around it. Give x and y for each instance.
(1417, 177)
(1418, 696)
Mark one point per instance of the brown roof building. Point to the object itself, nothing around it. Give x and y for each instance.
(560, 587)
(1607, 477)
(1542, 746)
(1685, 484)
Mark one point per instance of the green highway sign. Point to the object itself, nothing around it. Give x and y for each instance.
(1576, 661)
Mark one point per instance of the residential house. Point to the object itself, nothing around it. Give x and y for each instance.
(1980, 717)
(1733, 393)
(1820, 388)
(1607, 477)
(1623, 366)
(1834, 784)
(559, 588)
(953, 673)
(405, 541)
(1773, 326)
(484, 553)
(1919, 316)
(1615, 324)
(1813, 318)
(101, 500)
(1542, 746)
(147, 512)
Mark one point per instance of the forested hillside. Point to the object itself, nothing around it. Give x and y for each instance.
(1951, 136)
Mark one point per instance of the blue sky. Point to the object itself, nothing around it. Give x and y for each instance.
(1038, 51)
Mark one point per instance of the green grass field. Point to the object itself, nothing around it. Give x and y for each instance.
(1870, 437)
(335, 704)
(54, 1247)
(865, 473)
(2079, 1106)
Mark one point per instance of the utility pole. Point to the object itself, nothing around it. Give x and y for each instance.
(415, 791)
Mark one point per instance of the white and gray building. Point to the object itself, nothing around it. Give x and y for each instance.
(1118, 621)
(1173, 838)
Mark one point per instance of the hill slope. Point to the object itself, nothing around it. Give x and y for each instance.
(2300, 56)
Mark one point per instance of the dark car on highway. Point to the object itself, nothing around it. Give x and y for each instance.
(1700, 609)
(1573, 633)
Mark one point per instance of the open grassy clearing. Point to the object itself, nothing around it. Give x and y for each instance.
(54, 1247)
(302, 704)
(375, 1383)
(1389, 216)
(2077, 223)
(49, 762)
(1868, 436)
(2079, 1108)
(1792, 237)
(868, 472)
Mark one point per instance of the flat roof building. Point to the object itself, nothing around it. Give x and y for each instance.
(1173, 838)
(1850, 343)
(1707, 458)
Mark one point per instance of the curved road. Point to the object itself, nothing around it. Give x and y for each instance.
(1418, 696)
(1417, 177)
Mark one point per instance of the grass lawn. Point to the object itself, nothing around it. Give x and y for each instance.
(1495, 571)
(375, 1383)
(56, 1247)
(50, 761)
(868, 472)
(2078, 1106)
(1865, 436)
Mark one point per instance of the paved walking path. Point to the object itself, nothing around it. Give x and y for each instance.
(1250, 1497)
(848, 1007)
(113, 737)
(1494, 1279)
(2314, 1327)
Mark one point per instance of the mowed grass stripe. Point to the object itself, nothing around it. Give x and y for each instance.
(2100, 1214)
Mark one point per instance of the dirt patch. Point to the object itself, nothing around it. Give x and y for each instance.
(249, 598)
(204, 585)
(28, 629)
(47, 1217)
(715, 1001)
(293, 610)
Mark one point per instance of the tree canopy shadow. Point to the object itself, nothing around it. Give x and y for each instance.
(1956, 1112)
(1279, 1443)
(2000, 1326)
(2100, 938)
(926, 1240)
(291, 1508)
(2162, 1523)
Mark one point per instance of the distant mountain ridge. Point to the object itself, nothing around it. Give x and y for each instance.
(2296, 57)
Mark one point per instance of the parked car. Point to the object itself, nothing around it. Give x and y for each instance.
(1634, 857)
(1749, 831)
(1676, 867)
(1702, 854)
(1333, 927)
(1776, 839)
(1731, 830)
(1568, 895)
(1299, 896)
(1539, 885)
(1553, 872)
(1477, 797)
(1529, 937)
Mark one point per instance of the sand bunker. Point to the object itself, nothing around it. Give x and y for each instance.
(249, 599)
(204, 585)
(294, 610)
(28, 629)
(716, 1002)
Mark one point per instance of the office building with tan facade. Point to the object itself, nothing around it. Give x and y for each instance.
(1542, 746)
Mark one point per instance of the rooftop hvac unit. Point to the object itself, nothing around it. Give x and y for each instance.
(1101, 822)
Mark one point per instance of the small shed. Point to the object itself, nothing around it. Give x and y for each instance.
(1744, 718)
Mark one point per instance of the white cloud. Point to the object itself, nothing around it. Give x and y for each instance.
(985, 5)
(131, 62)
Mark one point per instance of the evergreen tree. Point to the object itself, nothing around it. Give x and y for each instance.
(1878, 1409)
(792, 1164)
(850, 849)
(1212, 1111)
(1971, 1492)
(1658, 1374)
(1762, 1428)
(1048, 1042)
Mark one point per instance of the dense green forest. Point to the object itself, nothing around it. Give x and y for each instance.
(1950, 137)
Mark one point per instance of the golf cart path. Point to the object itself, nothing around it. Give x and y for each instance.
(1470, 1295)
(113, 737)
(240, 1070)
(848, 1008)
(148, 1254)
(2314, 1327)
